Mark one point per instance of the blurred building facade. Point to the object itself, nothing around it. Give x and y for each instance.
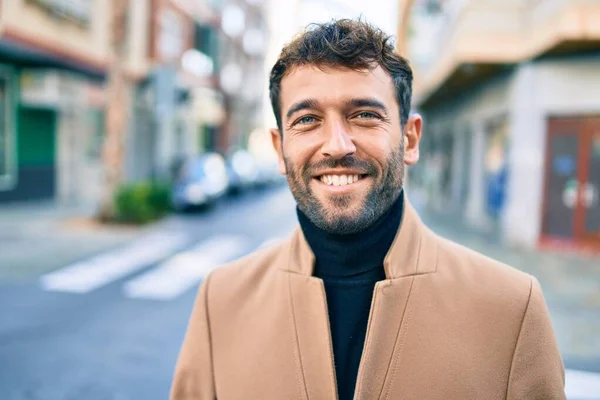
(194, 82)
(508, 91)
(52, 61)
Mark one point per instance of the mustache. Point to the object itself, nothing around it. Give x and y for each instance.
(344, 162)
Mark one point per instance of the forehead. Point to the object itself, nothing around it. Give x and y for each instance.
(330, 85)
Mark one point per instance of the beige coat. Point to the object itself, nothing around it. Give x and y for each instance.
(447, 323)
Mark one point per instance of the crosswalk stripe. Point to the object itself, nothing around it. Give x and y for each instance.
(582, 385)
(184, 270)
(88, 275)
(278, 237)
(269, 242)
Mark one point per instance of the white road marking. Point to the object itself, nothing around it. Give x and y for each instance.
(184, 270)
(581, 385)
(270, 242)
(278, 237)
(90, 274)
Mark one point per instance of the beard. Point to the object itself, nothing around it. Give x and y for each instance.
(382, 194)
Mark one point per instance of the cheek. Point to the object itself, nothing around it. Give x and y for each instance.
(377, 151)
(299, 152)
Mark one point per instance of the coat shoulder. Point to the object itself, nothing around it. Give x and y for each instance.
(481, 272)
(240, 278)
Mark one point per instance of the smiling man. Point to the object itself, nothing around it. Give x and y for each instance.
(363, 301)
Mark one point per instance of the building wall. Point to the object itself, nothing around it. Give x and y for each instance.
(31, 23)
(566, 87)
(467, 115)
(527, 96)
(526, 159)
(138, 40)
(78, 152)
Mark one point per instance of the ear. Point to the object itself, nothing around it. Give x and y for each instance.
(278, 146)
(412, 138)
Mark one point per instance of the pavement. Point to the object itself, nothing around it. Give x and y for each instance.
(43, 236)
(94, 312)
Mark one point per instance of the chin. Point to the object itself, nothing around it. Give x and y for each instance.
(342, 225)
(335, 213)
(339, 204)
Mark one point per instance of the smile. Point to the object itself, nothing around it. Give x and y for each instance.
(340, 180)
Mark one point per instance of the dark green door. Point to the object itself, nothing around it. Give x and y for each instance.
(36, 149)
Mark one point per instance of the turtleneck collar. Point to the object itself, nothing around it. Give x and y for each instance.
(354, 254)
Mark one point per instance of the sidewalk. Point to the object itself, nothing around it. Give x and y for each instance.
(39, 237)
(571, 285)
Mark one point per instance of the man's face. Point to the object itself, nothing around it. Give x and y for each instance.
(343, 149)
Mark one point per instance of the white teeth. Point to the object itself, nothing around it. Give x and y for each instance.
(339, 180)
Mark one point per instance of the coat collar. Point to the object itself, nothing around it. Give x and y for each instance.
(413, 251)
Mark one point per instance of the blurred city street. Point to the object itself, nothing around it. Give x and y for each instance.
(109, 325)
(86, 335)
(136, 157)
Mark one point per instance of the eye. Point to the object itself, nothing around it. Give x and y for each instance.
(367, 115)
(305, 120)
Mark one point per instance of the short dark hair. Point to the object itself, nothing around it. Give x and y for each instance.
(343, 43)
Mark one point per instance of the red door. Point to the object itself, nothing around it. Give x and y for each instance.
(590, 185)
(571, 212)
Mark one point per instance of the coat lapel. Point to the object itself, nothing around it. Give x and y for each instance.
(309, 308)
(413, 253)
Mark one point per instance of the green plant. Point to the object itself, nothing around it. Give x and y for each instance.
(142, 202)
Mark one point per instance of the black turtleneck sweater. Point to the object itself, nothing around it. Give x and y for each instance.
(350, 265)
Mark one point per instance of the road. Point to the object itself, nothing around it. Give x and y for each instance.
(76, 335)
(109, 326)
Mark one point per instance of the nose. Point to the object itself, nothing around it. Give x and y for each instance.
(339, 144)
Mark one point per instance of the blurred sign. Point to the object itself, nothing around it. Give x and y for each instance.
(589, 195)
(569, 194)
(51, 89)
(564, 165)
(79, 11)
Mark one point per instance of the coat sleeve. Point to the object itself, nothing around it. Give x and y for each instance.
(193, 378)
(537, 371)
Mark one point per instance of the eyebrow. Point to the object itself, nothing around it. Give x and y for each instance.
(302, 105)
(354, 103)
(368, 102)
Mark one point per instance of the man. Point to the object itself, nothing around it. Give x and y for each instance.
(363, 301)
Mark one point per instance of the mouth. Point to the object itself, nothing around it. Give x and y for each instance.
(340, 182)
(340, 179)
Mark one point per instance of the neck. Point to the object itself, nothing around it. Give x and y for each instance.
(345, 255)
